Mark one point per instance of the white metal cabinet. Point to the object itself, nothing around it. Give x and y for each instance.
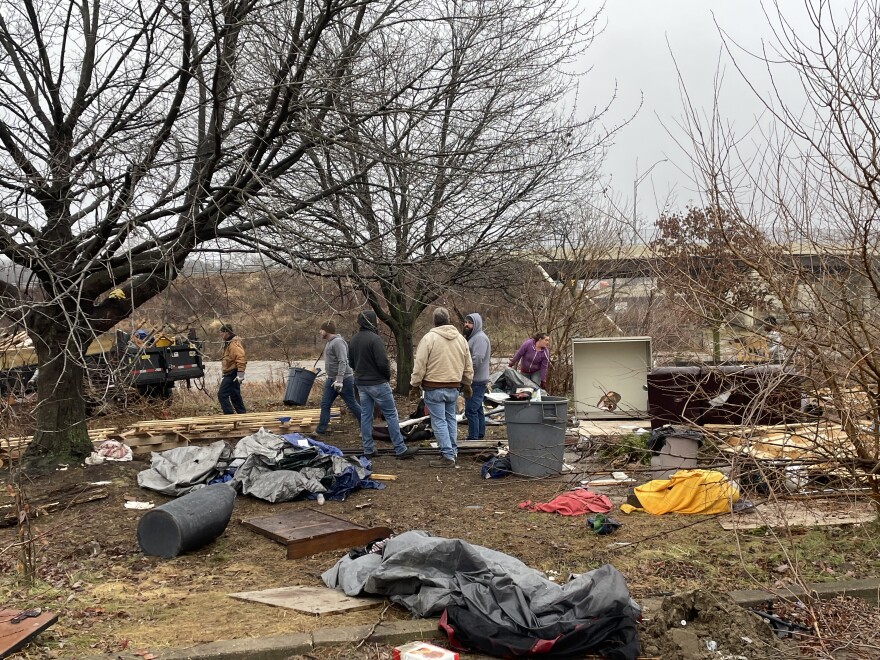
(611, 364)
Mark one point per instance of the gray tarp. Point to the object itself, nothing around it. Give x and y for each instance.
(258, 476)
(427, 573)
(178, 471)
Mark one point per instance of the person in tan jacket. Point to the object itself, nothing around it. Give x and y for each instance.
(442, 366)
(232, 366)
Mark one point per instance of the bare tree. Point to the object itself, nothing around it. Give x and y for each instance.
(133, 135)
(812, 193)
(696, 270)
(558, 292)
(458, 177)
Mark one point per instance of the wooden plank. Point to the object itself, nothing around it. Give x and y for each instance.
(147, 449)
(14, 636)
(383, 477)
(310, 600)
(306, 532)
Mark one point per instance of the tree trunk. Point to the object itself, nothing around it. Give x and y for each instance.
(403, 337)
(61, 431)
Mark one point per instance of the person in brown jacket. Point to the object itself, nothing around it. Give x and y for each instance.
(232, 366)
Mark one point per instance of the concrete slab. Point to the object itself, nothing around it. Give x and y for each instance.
(867, 589)
(391, 633)
(278, 647)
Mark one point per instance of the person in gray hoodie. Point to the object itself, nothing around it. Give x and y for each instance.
(340, 377)
(481, 352)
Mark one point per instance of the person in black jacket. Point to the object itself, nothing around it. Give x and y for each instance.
(372, 372)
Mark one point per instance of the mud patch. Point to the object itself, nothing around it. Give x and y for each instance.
(695, 624)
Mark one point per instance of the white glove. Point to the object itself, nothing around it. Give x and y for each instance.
(338, 387)
(240, 377)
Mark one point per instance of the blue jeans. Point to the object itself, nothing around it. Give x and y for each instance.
(379, 395)
(229, 394)
(441, 406)
(328, 396)
(473, 411)
(535, 377)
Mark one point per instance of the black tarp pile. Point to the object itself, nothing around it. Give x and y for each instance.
(492, 602)
(510, 380)
(271, 467)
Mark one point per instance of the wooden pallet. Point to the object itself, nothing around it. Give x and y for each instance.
(307, 532)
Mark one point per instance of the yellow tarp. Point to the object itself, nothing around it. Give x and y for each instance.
(687, 491)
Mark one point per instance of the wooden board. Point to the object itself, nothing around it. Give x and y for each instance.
(310, 600)
(800, 514)
(307, 532)
(14, 636)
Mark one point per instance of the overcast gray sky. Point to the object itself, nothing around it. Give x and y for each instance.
(634, 54)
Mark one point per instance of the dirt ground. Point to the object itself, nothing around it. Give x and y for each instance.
(111, 598)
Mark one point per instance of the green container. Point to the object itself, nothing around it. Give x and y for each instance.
(536, 435)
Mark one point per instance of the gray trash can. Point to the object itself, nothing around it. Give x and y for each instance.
(187, 523)
(536, 435)
(299, 384)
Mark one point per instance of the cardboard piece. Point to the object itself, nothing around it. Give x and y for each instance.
(307, 532)
(310, 600)
(14, 636)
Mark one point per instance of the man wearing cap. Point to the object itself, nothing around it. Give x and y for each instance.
(340, 377)
(443, 365)
(232, 366)
(372, 371)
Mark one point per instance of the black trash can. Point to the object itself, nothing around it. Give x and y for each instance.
(299, 384)
(187, 523)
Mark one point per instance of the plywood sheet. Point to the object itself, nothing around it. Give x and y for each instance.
(800, 514)
(14, 636)
(310, 600)
(307, 532)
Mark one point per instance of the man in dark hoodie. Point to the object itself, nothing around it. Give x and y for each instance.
(481, 352)
(372, 372)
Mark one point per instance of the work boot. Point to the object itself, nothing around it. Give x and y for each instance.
(409, 452)
(443, 462)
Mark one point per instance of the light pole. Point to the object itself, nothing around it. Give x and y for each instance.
(636, 183)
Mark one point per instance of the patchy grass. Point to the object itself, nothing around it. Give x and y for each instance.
(119, 599)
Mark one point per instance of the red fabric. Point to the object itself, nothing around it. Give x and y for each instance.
(573, 503)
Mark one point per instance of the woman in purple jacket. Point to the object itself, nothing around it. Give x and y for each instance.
(533, 358)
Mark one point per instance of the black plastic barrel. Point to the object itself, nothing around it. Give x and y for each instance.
(536, 435)
(187, 523)
(299, 384)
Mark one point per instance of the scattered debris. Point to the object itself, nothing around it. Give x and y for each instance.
(420, 651)
(110, 450)
(683, 624)
(55, 500)
(138, 506)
